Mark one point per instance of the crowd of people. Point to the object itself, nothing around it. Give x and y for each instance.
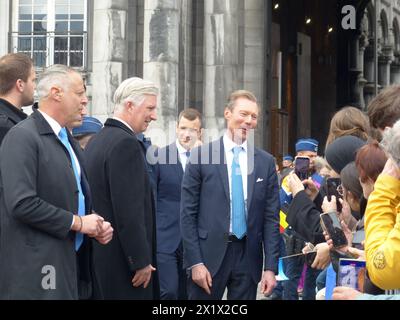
(93, 211)
(362, 158)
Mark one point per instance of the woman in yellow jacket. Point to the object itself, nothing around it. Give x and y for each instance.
(382, 219)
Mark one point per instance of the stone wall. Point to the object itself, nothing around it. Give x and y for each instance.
(4, 26)
(110, 53)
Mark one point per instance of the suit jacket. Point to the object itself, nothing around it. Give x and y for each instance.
(205, 210)
(9, 117)
(122, 195)
(38, 198)
(168, 176)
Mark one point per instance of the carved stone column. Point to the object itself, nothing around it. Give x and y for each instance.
(254, 59)
(355, 72)
(221, 62)
(369, 72)
(110, 48)
(161, 63)
(362, 81)
(384, 61)
(395, 69)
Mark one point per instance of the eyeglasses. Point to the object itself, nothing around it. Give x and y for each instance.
(339, 189)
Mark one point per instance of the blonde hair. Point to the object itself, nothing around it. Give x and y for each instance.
(240, 94)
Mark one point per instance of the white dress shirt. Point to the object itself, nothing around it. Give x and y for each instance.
(55, 126)
(228, 146)
(182, 155)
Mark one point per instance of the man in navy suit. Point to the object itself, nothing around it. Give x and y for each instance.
(168, 175)
(230, 211)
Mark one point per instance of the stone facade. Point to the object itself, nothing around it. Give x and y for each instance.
(388, 43)
(198, 51)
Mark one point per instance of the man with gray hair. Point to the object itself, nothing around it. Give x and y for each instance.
(122, 194)
(45, 200)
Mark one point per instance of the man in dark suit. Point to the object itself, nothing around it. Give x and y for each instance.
(168, 176)
(230, 211)
(45, 200)
(122, 194)
(17, 85)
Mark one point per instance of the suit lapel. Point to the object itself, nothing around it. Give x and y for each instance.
(251, 173)
(173, 151)
(218, 152)
(45, 129)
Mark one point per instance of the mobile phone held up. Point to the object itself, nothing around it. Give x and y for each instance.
(331, 225)
(332, 186)
(352, 274)
(302, 167)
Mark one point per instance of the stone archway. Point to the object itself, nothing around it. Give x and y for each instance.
(385, 51)
(367, 30)
(395, 66)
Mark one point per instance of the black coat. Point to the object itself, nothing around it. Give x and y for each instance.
(38, 198)
(9, 117)
(303, 217)
(122, 195)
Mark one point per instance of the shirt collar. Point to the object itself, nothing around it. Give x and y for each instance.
(55, 126)
(181, 150)
(124, 122)
(229, 144)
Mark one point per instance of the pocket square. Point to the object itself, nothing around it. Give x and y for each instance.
(259, 180)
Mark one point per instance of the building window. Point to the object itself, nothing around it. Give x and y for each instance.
(51, 31)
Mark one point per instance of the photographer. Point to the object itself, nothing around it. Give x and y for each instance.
(307, 151)
(305, 208)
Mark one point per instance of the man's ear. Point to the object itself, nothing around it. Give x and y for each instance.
(130, 105)
(20, 85)
(227, 113)
(56, 93)
(201, 134)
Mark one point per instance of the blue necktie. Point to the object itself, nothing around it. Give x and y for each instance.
(238, 206)
(187, 154)
(81, 205)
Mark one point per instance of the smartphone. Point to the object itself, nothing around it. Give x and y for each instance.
(352, 274)
(302, 167)
(331, 225)
(332, 185)
(310, 257)
(358, 238)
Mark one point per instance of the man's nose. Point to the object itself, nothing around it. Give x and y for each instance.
(248, 119)
(84, 109)
(154, 116)
(85, 100)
